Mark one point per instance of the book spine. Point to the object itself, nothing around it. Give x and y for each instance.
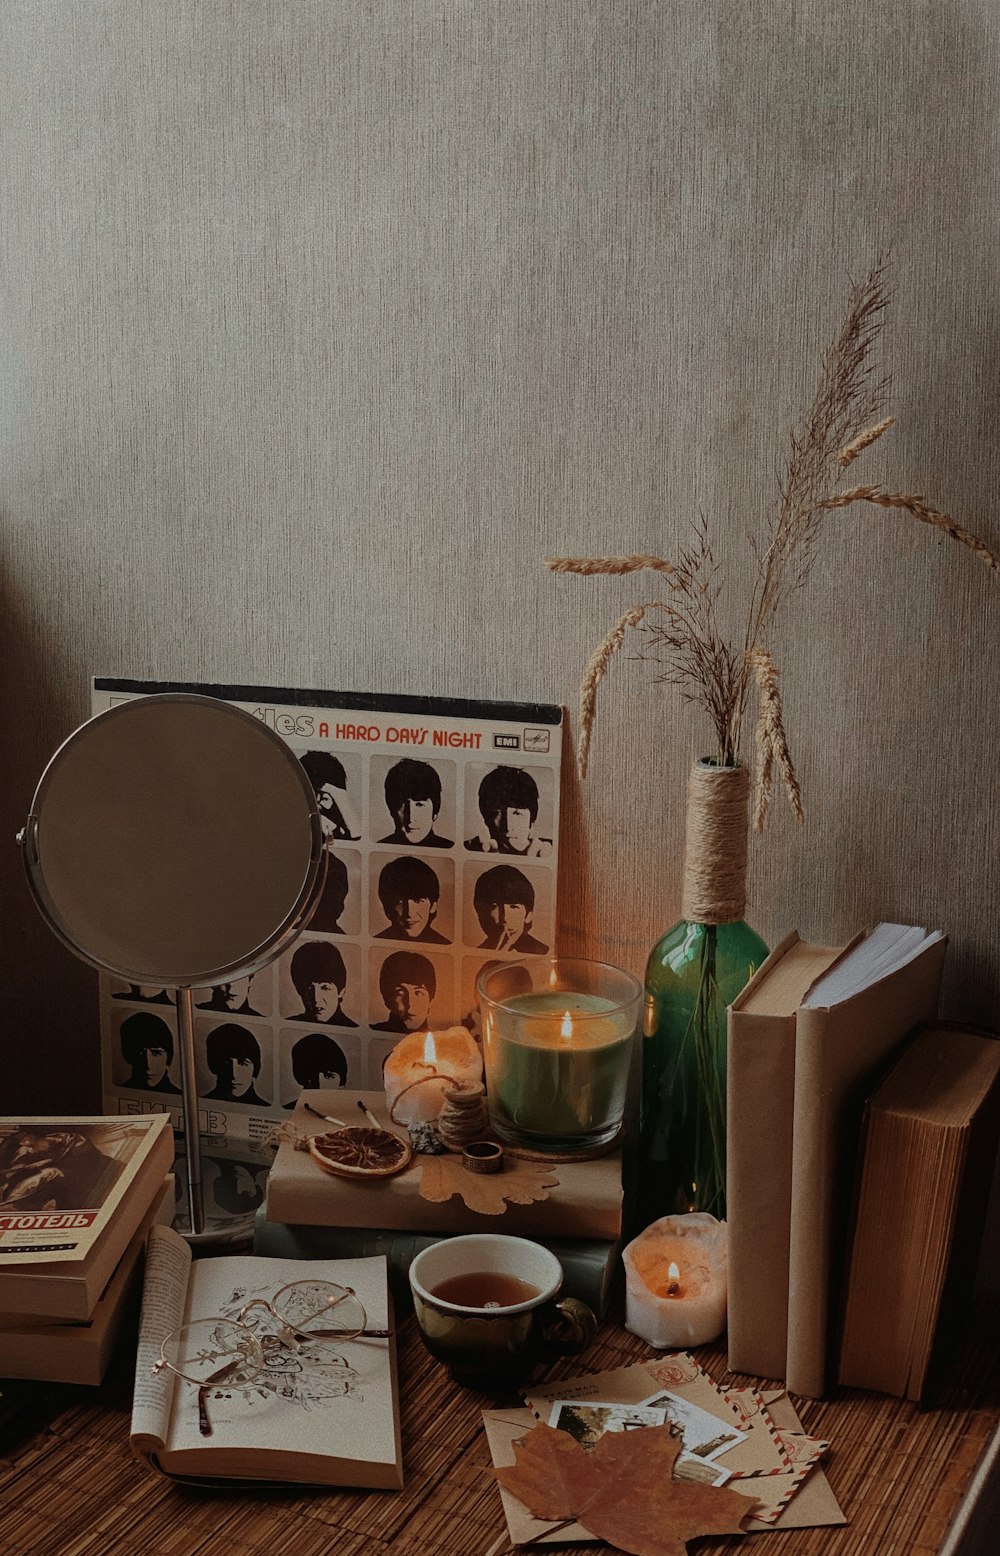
(590, 1268)
(312, 1200)
(760, 1100)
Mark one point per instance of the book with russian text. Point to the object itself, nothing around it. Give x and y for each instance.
(323, 1411)
(925, 1168)
(72, 1193)
(80, 1351)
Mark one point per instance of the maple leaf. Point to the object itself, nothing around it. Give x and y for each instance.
(622, 1490)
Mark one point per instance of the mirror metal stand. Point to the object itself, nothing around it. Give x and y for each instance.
(176, 840)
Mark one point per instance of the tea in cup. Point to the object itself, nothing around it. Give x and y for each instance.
(488, 1306)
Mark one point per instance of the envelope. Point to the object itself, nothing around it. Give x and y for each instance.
(776, 1466)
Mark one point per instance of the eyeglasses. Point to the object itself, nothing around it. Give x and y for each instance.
(213, 1351)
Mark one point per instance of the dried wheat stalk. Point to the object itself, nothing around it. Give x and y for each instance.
(589, 565)
(919, 509)
(864, 440)
(771, 742)
(597, 667)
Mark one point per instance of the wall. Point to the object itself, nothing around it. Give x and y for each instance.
(322, 324)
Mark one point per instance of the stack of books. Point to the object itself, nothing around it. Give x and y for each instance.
(310, 1214)
(77, 1198)
(809, 1038)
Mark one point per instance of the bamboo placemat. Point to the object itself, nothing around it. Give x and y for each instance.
(73, 1488)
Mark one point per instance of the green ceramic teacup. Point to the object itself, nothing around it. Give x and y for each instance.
(494, 1345)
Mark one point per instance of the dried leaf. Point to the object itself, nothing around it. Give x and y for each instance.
(542, 1476)
(622, 1490)
(520, 1183)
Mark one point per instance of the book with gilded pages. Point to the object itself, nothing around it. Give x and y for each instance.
(925, 1168)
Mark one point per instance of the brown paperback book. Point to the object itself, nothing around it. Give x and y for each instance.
(760, 1101)
(847, 1029)
(925, 1168)
(586, 1201)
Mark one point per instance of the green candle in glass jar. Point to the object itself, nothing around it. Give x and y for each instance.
(557, 1059)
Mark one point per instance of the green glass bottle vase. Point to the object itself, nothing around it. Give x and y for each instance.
(693, 974)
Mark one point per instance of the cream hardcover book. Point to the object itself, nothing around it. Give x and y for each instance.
(323, 1411)
(849, 1025)
(585, 1202)
(760, 1102)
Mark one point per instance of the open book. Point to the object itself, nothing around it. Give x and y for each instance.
(325, 1413)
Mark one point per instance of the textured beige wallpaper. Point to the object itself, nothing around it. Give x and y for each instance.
(322, 323)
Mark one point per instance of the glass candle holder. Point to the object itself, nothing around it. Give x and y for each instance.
(557, 1043)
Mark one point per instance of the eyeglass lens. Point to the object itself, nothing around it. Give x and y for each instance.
(214, 1350)
(319, 1307)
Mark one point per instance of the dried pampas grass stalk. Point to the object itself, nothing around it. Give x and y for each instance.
(919, 509)
(863, 440)
(771, 741)
(597, 666)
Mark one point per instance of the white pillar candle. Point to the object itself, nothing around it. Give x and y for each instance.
(676, 1276)
(425, 1066)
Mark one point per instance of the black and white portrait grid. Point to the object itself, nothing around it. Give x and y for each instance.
(441, 828)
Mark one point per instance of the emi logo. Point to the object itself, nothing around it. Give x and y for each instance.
(536, 739)
(507, 742)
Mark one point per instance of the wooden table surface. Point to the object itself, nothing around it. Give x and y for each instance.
(71, 1487)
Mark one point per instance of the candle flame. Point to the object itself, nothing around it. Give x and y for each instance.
(673, 1281)
(430, 1052)
(674, 1272)
(567, 1025)
(553, 978)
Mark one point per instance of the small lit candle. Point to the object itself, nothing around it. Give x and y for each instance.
(423, 1067)
(676, 1277)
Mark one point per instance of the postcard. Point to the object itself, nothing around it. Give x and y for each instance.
(586, 1422)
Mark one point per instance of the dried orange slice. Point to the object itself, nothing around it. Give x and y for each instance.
(361, 1152)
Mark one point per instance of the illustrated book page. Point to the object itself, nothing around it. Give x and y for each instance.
(441, 819)
(324, 1412)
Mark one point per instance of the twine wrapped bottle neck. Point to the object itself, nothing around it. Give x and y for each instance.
(715, 851)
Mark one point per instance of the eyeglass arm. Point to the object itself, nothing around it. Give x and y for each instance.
(219, 1376)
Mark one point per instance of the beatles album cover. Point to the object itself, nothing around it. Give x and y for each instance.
(441, 820)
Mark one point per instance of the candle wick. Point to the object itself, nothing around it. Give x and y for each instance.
(673, 1288)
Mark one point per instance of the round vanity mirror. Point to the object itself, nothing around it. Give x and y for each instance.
(175, 840)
